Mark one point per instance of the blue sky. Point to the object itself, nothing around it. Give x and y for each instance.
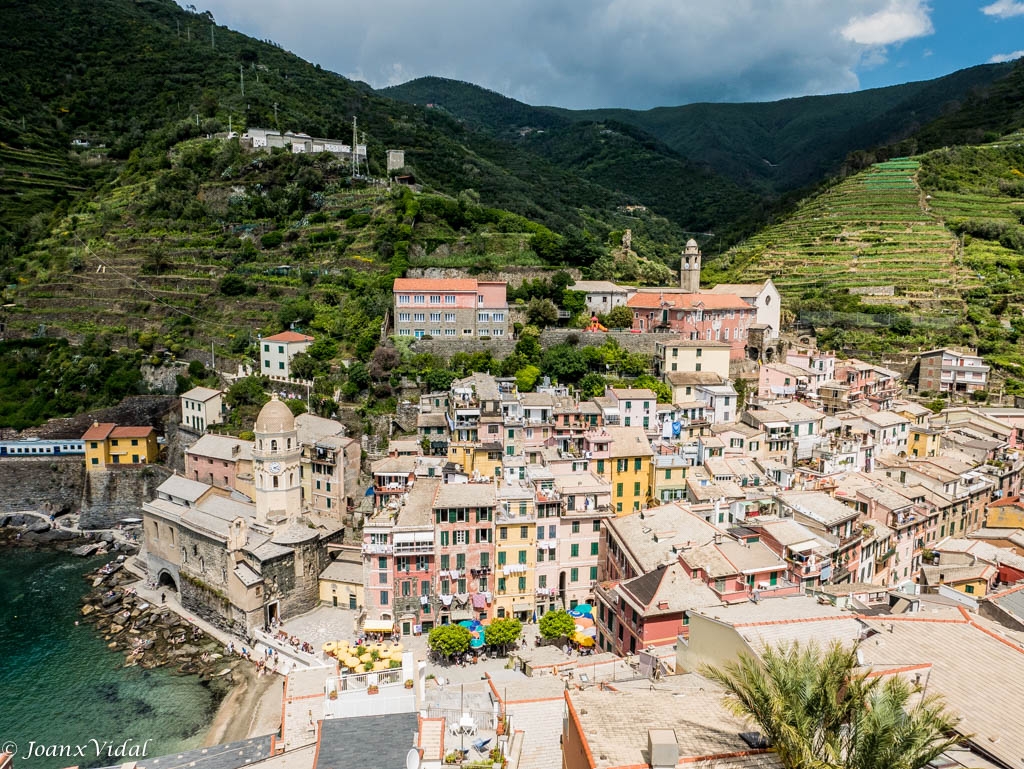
(639, 53)
(963, 35)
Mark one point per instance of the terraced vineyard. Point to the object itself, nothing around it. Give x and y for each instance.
(31, 178)
(113, 267)
(871, 231)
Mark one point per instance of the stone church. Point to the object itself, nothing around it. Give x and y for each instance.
(243, 563)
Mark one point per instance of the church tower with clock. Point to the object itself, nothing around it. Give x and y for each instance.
(275, 460)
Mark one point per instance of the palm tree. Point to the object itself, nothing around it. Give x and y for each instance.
(820, 712)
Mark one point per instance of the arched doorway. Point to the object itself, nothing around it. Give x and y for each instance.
(166, 579)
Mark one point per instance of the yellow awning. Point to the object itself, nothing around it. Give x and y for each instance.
(378, 626)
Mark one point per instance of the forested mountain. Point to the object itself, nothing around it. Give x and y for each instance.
(768, 147)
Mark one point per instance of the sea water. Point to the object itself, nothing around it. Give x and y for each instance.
(61, 686)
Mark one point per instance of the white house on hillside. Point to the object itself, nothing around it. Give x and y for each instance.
(277, 351)
(201, 407)
(764, 296)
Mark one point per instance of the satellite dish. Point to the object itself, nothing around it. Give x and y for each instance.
(412, 759)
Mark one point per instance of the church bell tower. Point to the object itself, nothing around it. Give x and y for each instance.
(689, 268)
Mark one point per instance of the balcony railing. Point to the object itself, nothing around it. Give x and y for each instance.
(413, 548)
(377, 549)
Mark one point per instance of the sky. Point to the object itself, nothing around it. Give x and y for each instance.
(639, 53)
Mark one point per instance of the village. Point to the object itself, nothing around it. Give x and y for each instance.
(818, 500)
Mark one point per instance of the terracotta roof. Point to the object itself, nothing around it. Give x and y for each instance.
(131, 432)
(288, 336)
(435, 284)
(653, 300)
(100, 431)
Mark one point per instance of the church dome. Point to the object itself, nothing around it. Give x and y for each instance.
(275, 417)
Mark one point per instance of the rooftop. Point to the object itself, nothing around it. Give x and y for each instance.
(614, 725)
(366, 742)
(223, 447)
(202, 394)
(288, 336)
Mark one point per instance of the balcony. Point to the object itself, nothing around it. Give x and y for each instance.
(377, 549)
(413, 548)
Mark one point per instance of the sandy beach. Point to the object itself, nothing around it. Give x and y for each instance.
(252, 708)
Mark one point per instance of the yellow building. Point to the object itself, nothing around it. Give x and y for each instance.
(628, 468)
(515, 548)
(341, 583)
(923, 442)
(971, 579)
(668, 478)
(692, 355)
(482, 458)
(108, 444)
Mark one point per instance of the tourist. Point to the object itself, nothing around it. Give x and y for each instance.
(163, 598)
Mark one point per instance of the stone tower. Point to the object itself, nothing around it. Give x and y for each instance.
(275, 460)
(689, 268)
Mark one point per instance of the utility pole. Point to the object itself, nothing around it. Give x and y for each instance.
(355, 138)
(275, 114)
(212, 44)
(188, 33)
(241, 77)
(213, 358)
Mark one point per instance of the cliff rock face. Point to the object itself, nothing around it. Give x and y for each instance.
(42, 484)
(118, 492)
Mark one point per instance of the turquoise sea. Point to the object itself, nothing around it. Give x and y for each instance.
(60, 685)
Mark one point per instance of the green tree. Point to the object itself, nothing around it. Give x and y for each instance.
(526, 378)
(449, 639)
(592, 385)
(542, 312)
(619, 317)
(557, 624)
(529, 347)
(820, 712)
(247, 392)
(662, 390)
(574, 302)
(503, 633)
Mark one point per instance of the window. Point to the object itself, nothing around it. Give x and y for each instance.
(449, 299)
(637, 463)
(280, 349)
(594, 548)
(280, 364)
(419, 316)
(501, 557)
(618, 490)
(449, 332)
(383, 597)
(600, 466)
(449, 317)
(574, 575)
(597, 526)
(524, 531)
(435, 317)
(404, 317)
(483, 317)
(542, 581)
(435, 299)
(700, 352)
(503, 532)
(636, 489)
(460, 561)
(593, 574)
(574, 550)
(403, 299)
(418, 299)
(522, 556)
(575, 527)
(383, 578)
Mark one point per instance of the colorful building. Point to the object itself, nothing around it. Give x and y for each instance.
(450, 308)
(109, 444)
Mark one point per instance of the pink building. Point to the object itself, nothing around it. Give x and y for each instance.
(220, 460)
(463, 516)
(709, 317)
(450, 308)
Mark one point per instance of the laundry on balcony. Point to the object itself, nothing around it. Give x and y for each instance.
(479, 601)
(424, 600)
(461, 598)
(446, 600)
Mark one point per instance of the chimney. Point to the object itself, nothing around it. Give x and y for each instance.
(662, 748)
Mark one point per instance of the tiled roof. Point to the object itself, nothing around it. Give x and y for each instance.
(435, 284)
(655, 299)
(99, 431)
(366, 742)
(288, 336)
(202, 394)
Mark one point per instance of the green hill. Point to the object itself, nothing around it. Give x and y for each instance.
(909, 252)
(770, 147)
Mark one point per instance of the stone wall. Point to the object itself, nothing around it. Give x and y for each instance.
(53, 484)
(212, 607)
(116, 493)
(512, 275)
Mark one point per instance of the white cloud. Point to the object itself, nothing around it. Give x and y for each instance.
(600, 53)
(1004, 9)
(900, 20)
(999, 58)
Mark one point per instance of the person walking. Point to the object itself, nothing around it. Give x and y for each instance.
(163, 598)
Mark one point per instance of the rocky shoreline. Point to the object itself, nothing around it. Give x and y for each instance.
(149, 636)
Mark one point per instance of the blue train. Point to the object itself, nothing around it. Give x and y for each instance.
(36, 447)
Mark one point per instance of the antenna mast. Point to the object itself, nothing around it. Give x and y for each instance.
(355, 158)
